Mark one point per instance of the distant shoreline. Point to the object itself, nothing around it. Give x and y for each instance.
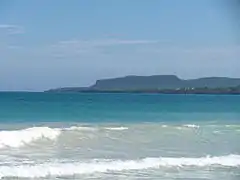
(128, 92)
(224, 91)
(156, 84)
(160, 84)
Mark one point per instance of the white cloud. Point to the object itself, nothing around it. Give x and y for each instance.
(12, 29)
(86, 46)
(105, 42)
(89, 44)
(206, 51)
(143, 46)
(146, 49)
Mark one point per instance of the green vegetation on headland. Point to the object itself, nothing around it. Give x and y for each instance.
(165, 84)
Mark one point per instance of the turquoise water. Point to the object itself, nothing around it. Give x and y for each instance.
(117, 107)
(119, 136)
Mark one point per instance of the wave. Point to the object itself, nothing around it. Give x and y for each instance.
(22, 137)
(116, 128)
(80, 128)
(181, 126)
(191, 126)
(64, 169)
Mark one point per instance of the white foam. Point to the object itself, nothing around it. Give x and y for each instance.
(60, 169)
(191, 126)
(232, 125)
(216, 132)
(116, 128)
(80, 128)
(22, 137)
(19, 138)
(83, 128)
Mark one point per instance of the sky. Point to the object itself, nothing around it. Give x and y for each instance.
(50, 44)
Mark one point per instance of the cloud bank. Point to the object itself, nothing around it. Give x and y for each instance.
(12, 29)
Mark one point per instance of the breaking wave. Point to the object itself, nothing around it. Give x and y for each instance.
(60, 169)
(116, 128)
(22, 137)
(191, 126)
(80, 128)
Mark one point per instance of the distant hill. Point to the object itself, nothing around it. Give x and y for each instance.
(157, 82)
(138, 82)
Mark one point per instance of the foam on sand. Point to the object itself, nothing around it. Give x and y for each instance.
(64, 169)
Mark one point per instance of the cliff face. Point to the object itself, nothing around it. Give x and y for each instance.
(138, 82)
(163, 82)
(157, 82)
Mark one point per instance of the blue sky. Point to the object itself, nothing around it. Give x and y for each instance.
(47, 44)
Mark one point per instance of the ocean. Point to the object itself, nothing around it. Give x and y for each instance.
(119, 136)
